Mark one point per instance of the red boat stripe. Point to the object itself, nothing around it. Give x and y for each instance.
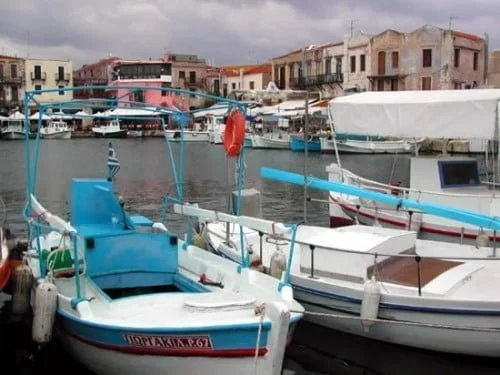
(250, 352)
(423, 228)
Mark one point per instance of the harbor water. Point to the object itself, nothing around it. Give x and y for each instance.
(146, 177)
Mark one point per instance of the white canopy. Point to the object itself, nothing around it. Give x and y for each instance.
(466, 114)
(61, 116)
(127, 112)
(16, 116)
(36, 115)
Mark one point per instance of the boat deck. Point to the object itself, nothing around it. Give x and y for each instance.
(405, 271)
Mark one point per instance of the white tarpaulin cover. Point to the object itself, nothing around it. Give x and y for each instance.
(466, 114)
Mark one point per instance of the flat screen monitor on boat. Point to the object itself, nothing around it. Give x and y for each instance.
(458, 173)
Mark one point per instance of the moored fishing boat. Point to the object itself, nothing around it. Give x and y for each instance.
(131, 296)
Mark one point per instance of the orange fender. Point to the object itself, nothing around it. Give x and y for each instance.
(234, 133)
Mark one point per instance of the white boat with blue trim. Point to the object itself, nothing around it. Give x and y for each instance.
(461, 181)
(129, 296)
(384, 283)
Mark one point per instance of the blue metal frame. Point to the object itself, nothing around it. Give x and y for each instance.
(31, 161)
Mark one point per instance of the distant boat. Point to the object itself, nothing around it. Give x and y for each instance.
(56, 129)
(111, 129)
(14, 127)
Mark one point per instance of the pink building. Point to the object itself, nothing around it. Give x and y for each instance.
(145, 73)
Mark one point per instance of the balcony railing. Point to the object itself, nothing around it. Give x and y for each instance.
(38, 77)
(10, 79)
(63, 77)
(318, 80)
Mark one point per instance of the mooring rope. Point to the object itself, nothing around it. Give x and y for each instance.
(259, 310)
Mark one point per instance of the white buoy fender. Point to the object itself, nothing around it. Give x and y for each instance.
(23, 280)
(370, 303)
(277, 264)
(44, 312)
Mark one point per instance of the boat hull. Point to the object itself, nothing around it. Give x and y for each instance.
(298, 144)
(352, 146)
(13, 135)
(334, 310)
(259, 141)
(117, 134)
(189, 136)
(58, 135)
(105, 361)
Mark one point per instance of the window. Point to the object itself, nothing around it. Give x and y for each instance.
(61, 89)
(1, 70)
(427, 57)
(233, 85)
(328, 65)
(163, 92)
(38, 71)
(475, 61)
(182, 74)
(362, 63)
(252, 85)
(457, 57)
(38, 88)
(426, 83)
(193, 90)
(309, 69)
(395, 60)
(394, 84)
(192, 77)
(216, 87)
(60, 73)
(458, 173)
(380, 85)
(353, 64)
(381, 63)
(338, 65)
(13, 70)
(14, 93)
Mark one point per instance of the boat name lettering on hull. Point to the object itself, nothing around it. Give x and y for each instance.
(169, 342)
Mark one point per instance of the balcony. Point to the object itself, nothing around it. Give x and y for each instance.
(11, 80)
(63, 77)
(322, 79)
(38, 77)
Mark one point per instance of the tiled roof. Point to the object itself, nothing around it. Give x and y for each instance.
(264, 68)
(472, 37)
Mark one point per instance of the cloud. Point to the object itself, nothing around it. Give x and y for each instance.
(222, 31)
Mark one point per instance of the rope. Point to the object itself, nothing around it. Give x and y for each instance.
(399, 322)
(259, 310)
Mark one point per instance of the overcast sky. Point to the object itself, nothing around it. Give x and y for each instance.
(222, 31)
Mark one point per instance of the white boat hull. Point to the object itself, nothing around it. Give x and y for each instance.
(368, 147)
(56, 135)
(189, 136)
(259, 141)
(108, 362)
(13, 135)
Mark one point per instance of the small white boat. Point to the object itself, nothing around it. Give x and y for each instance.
(383, 283)
(273, 140)
(111, 129)
(353, 146)
(126, 295)
(135, 133)
(441, 179)
(13, 127)
(56, 129)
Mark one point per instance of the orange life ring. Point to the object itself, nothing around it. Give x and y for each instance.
(234, 133)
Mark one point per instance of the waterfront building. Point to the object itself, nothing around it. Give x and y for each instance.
(49, 74)
(189, 72)
(145, 73)
(238, 79)
(428, 58)
(96, 74)
(494, 69)
(313, 68)
(11, 83)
